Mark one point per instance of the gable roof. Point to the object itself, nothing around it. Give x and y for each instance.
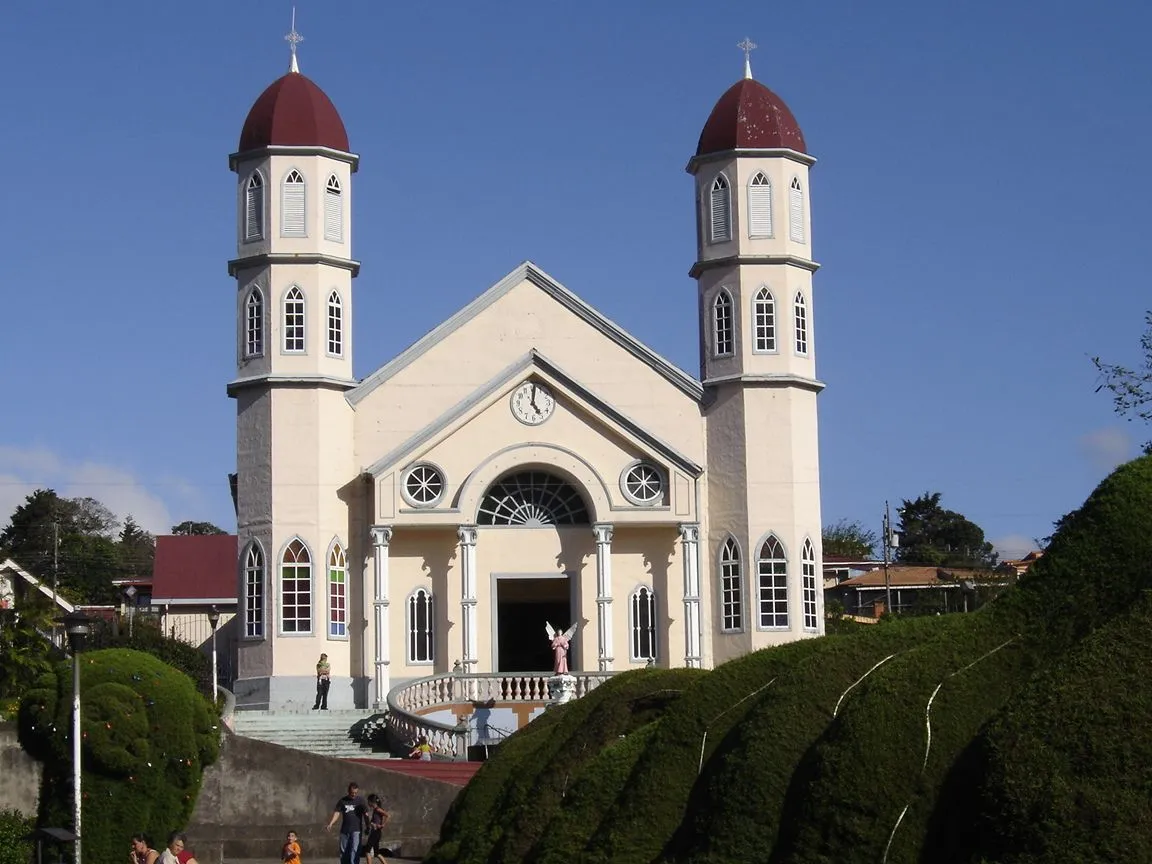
(195, 569)
(906, 576)
(529, 272)
(10, 566)
(533, 360)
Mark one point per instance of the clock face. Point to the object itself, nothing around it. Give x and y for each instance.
(532, 403)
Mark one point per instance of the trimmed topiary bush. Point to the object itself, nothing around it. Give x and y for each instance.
(147, 736)
(14, 828)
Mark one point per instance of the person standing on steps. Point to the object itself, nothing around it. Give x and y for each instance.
(323, 682)
(349, 812)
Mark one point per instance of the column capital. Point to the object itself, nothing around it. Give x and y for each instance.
(467, 535)
(603, 531)
(690, 532)
(381, 535)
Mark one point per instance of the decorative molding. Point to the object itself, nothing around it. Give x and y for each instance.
(603, 531)
(746, 260)
(695, 163)
(381, 535)
(690, 532)
(529, 272)
(235, 159)
(267, 259)
(326, 382)
(467, 535)
(767, 379)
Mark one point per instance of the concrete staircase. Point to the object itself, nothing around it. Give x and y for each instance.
(456, 773)
(324, 733)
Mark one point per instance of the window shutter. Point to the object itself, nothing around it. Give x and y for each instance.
(333, 211)
(292, 207)
(254, 211)
(796, 212)
(720, 210)
(760, 207)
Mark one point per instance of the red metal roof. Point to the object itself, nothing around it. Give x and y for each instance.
(199, 567)
(749, 115)
(293, 111)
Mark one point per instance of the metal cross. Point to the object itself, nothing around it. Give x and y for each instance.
(747, 46)
(293, 38)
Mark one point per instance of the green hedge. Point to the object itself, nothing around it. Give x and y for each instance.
(14, 828)
(147, 735)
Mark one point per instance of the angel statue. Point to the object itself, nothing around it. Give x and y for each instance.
(559, 647)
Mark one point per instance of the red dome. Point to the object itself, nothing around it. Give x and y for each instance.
(749, 115)
(295, 112)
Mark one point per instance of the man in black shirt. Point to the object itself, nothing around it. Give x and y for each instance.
(349, 812)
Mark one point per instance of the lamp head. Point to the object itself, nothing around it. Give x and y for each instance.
(77, 625)
(214, 617)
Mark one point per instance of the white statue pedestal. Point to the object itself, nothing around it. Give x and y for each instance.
(561, 689)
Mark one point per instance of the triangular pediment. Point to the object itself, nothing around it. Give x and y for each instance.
(479, 400)
(530, 273)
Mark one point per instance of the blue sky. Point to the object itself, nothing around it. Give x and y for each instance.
(978, 208)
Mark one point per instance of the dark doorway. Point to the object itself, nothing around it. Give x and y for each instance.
(524, 606)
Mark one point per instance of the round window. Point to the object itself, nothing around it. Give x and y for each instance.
(643, 484)
(424, 485)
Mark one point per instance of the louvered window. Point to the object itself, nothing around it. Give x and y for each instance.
(721, 210)
(333, 211)
(254, 592)
(764, 321)
(808, 586)
(796, 211)
(254, 207)
(420, 627)
(254, 324)
(337, 592)
(772, 570)
(296, 589)
(294, 320)
(643, 624)
(760, 207)
(292, 199)
(801, 324)
(731, 587)
(722, 323)
(335, 325)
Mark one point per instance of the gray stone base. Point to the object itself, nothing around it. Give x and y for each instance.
(298, 693)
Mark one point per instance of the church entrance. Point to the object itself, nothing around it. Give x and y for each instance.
(524, 605)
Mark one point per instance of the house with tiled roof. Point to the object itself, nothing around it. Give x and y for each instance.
(915, 590)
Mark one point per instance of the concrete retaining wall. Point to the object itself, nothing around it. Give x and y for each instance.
(19, 774)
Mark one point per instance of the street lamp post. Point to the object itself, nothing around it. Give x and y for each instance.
(130, 591)
(76, 625)
(214, 620)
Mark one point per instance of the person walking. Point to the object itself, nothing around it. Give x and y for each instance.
(349, 812)
(323, 682)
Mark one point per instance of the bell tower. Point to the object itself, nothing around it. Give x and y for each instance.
(754, 268)
(294, 312)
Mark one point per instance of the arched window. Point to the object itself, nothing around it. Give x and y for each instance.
(760, 206)
(722, 335)
(721, 210)
(420, 627)
(254, 324)
(337, 592)
(801, 309)
(764, 321)
(296, 589)
(772, 571)
(294, 321)
(808, 585)
(731, 587)
(796, 211)
(254, 207)
(292, 201)
(642, 622)
(335, 325)
(333, 211)
(254, 592)
(532, 499)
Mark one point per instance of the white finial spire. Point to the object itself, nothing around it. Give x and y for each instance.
(747, 46)
(293, 39)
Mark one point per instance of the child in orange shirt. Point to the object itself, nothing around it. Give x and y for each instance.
(291, 852)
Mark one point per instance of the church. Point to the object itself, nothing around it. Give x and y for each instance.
(527, 463)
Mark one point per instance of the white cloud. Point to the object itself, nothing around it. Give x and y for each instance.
(23, 470)
(1013, 546)
(1108, 447)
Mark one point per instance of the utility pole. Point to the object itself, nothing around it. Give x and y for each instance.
(887, 535)
(55, 563)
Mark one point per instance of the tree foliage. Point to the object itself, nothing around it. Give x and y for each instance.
(189, 528)
(850, 539)
(1131, 389)
(935, 537)
(25, 651)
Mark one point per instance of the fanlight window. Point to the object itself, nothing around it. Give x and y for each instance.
(296, 589)
(254, 592)
(532, 498)
(731, 587)
(720, 210)
(808, 560)
(772, 567)
(643, 484)
(337, 592)
(254, 207)
(254, 324)
(424, 485)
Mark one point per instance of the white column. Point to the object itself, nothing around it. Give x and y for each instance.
(467, 534)
(604, 594)
(381, 537)
(690, 553)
